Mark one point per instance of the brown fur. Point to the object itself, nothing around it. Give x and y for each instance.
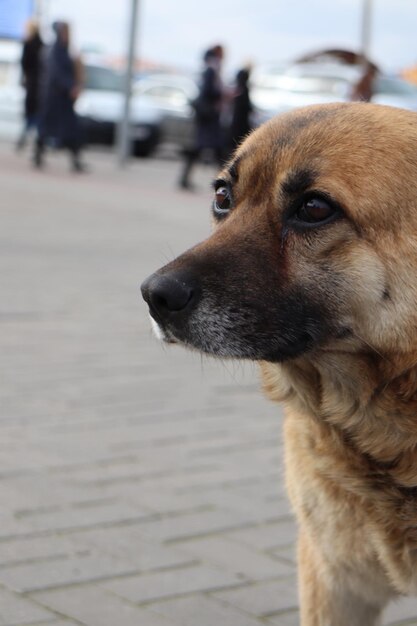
(350, 397)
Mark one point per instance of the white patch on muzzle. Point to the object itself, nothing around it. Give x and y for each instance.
(157, 330)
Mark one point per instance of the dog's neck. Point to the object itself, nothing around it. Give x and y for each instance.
(367, 401)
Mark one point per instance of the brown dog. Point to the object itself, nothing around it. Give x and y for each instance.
(312, 270)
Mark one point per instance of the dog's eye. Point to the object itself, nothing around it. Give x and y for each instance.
(314, 211)
(222, 202)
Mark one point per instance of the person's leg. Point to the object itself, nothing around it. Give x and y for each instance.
(74, 148)
(39, 150)
(76, 163)
(190, 159)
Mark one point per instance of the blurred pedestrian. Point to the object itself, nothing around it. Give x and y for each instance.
(58, 123)
(31, 66)
(241, 110)
(208, 109)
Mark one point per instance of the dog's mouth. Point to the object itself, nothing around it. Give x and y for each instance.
(229, 345)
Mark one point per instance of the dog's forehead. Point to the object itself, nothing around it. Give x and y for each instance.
(289, 130)
(290, 146)
(328, 132)
(285, 153)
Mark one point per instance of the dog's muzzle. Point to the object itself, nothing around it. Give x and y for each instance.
(212, 313)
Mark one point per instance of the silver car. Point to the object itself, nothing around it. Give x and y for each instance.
(277, 89)
(160, 109)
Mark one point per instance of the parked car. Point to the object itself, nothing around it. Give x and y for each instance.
(160, 109)
(277, 89)
(171, 96)
(100, 107)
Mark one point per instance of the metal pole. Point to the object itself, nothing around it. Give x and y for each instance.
(366, 28)
(38, 10)
(124, 141)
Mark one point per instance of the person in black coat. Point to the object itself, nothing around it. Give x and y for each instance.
(58, 122)
(207, 109)
(31, 71)
(242, 109)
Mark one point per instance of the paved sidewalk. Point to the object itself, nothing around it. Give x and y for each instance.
(140, 485)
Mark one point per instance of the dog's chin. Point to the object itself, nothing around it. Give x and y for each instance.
(276, 351)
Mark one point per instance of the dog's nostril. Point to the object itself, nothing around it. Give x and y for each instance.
(168, 293)
(171, 299)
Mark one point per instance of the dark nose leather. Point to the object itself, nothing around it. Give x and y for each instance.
(168, 293)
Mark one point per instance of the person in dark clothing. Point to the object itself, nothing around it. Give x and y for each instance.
(31, 71)
(242, 108)
(207, 108)
(58, 123)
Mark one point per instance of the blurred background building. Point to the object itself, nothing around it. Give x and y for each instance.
(280, 39)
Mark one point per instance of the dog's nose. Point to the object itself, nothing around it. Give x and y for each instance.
(168, 293)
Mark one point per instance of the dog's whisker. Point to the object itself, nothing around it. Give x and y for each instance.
(233, 374)
(168, 259)
(356, 334)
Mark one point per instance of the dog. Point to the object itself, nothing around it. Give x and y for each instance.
(312, 271)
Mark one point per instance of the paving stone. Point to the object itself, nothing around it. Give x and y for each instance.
(403, 610)
(123, 543)
(132, 544)
(267, 537)
(66, 571)
(18, 611)
(263, 598)
(150, 587)
(258, 510)
(290, 618)
(18, 551)
(97, 607)
(236, 558)
(54, 623)
(203, 611)
(194, 524)
(287, 553)
(44, 521)
(28, 493)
